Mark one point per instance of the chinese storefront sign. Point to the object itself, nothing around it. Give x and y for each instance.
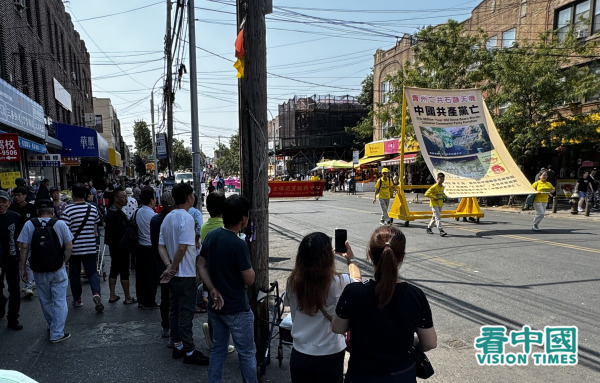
(279, 189)
(70, 161)
(44, 160)
(7, 179)
(558, 343)
(9, 147)
(457, 137)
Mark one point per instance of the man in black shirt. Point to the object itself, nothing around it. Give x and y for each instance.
(9, 263)
(27, 211)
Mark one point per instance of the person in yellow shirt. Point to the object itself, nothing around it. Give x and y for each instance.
(383, 190)
(315, 177)
(436, 200)
(543, 187)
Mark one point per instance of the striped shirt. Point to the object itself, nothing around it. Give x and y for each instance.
(73, 216)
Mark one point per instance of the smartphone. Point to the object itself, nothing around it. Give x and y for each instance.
(341, 235)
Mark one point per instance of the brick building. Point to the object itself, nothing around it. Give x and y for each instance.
(504, 22)
(44, 61)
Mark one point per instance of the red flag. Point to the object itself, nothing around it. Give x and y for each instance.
(239, 45)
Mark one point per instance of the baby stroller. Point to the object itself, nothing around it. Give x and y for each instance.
(284, 325)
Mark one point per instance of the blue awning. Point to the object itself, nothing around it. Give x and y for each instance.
(79, 141)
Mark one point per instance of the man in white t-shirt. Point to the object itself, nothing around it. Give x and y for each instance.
(177, 249)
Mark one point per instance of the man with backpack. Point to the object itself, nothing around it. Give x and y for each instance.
(50, 241)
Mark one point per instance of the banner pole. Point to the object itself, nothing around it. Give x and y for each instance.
(402, 138)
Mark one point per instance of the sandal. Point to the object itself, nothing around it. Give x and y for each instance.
(113, 300)
(130, 302)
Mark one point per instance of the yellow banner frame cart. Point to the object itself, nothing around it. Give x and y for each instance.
(468, 207)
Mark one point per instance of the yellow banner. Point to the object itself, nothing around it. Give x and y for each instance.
(374, 149)
(457, 137)
(7, 180)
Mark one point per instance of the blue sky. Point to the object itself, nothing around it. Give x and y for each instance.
(329, 44)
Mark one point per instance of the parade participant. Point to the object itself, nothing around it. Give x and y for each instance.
(93, 191)
(167, 202)
(436, 200)
(59, 206)
(145, 277)
(48, 263)
(177, 249)
(383, 316)
(312, 291)
(225, 269)
(43, 193)
(27, 211)
(9, 263)
(116, 224)
(131, 206)
(20, 181)
(82, 219)
(543, 187)
(383, 191)
(582, 187)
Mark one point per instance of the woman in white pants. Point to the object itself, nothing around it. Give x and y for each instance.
(543, 187)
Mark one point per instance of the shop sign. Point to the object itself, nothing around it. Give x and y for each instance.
(44, 160)
(161, 146)
(20, 112)
(70, 161)
(7, 179)
(30, 145)
(279, 189)
(9, 147)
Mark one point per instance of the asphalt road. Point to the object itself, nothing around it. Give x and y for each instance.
(498, 272)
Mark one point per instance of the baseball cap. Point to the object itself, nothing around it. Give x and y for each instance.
(43, 203)
(4, 195)
(166, 199)
(385, 170)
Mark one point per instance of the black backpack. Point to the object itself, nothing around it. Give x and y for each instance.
(47, 254)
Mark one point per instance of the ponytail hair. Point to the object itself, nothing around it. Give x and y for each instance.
(386, 250)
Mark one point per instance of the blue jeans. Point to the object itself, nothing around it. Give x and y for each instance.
(241, 328)
(89, 265)
(52, 291)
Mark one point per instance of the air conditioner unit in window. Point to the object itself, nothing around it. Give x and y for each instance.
(19, 4)
(579, 33)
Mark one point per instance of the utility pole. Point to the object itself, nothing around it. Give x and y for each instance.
(168, 91)
(252, 93)
(153, 135)
(196, 165)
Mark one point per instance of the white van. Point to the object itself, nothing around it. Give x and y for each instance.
(184, 177)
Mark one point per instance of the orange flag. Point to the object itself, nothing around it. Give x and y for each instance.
(239, 45)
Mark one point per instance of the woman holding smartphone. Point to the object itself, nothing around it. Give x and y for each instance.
(383, 315)
(312, 291)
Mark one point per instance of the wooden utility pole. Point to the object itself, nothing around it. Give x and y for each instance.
(253, 156)
(168, 91)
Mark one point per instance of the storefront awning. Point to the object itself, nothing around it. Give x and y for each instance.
(53, 143)
(409, 158)
(79, 141)
(368, 160)
(114, 158)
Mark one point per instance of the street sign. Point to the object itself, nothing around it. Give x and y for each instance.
(355, 155)
(44, 160)
(7, 179)
(161, 146)
(90, 120)
(9, 147)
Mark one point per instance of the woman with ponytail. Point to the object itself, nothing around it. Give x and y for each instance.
(312, 291)
(383, 315)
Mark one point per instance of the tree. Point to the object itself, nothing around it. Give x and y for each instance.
(229, 157)
(363, 131)
(446, 57)
(140, 166)
(142, 138)
(531, 81)
(182, 158)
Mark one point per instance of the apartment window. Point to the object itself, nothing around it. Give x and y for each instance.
(523, 8)
(594, 68)
(492, 6)
(23, 67)
(38, 18)
(578, 16)
(57, 39)
(491, 43)
(36, 83)
(1, 54)
(28, 12)
(385, 92)
(50, 35)
(503, 108)
(385, 127)
(63, 50)
(44, 100)
(508, 38)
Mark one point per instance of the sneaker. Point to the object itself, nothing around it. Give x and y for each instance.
(28, 292)
(64, 337)
(207, 338)
(170, 343)
(98, 302)
(165, 333)
(32, 285)
(535, 228)
(15, 326)
(443, 233)
(197, 358)
(579, 209)
(177, 354)
(230, 349)
(428, 231)
(77, 302)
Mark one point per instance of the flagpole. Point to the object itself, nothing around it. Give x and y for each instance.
(402, 138)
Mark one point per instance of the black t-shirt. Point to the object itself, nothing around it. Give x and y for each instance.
(155, 223)
(116, 223)
(584, 184)
(9, 223)
(26, 212)
(226, 257)
(380, 339)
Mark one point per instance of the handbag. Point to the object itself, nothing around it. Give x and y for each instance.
(129, 240)
(529, 200)
(424, 367)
